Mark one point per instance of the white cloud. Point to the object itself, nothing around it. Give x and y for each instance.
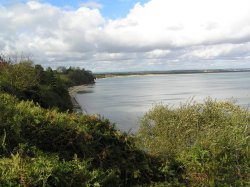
(180, 23)
(159, 34)
(157, 53)
(92, 4)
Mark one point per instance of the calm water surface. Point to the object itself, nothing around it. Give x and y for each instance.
(124, 100)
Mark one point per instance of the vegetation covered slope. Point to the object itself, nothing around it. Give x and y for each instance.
(211, 141)
(194, 145)
(42, 147)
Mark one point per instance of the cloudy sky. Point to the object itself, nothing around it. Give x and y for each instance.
(128, 35)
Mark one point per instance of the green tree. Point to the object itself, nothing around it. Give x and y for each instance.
(19, 76)
(61, 69)
(78, 77)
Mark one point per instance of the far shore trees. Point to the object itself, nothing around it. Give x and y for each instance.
(47, 87)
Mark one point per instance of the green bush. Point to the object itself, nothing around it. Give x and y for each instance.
(105, 155)
(78, 173)
(210, 140)
(47, 170)
(17, 171)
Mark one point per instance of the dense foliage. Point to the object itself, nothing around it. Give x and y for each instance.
(75, 76)
(40, 147)
(47, 87)
(194, 145)
(210, 141)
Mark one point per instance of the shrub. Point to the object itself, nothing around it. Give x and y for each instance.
(211, 140)
(17, 171)
(104, 154)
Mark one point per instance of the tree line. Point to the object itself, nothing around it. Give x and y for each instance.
(47, 87)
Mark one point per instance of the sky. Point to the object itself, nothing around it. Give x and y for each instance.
(128, 35)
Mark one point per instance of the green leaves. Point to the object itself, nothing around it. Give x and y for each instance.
(211, 140)
(27, 82)
(67, 149)
(19, 76)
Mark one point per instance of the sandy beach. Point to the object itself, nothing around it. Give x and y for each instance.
(73, 92)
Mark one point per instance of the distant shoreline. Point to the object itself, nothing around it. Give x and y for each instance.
(121, 74)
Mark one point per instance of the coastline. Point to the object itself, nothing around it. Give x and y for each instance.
(139, 73)
(73, 92)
